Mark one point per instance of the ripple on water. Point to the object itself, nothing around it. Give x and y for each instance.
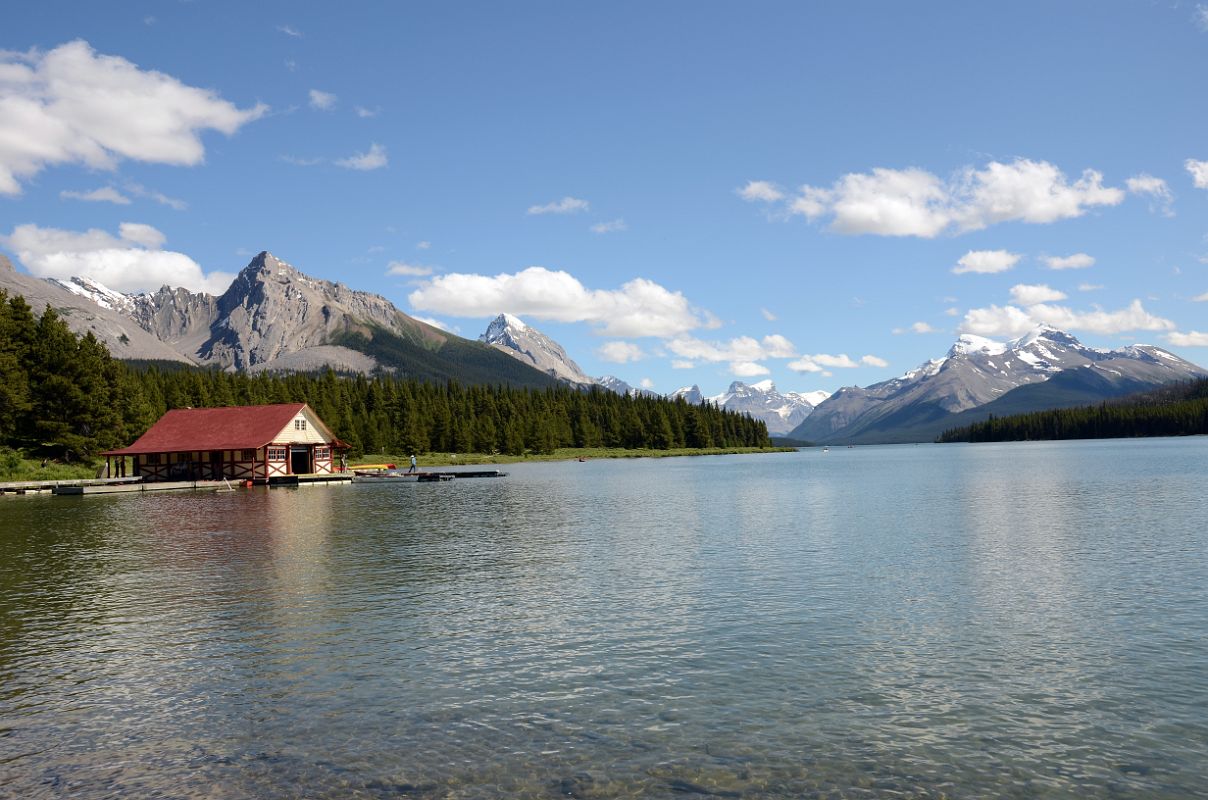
(1008, 621)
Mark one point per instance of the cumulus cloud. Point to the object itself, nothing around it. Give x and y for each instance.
(820, 361)
(375, 158)
(567, 205)
(914, 202)
(610, 227)
(408, 270)
(748, 369)
(620, 352)
(1025, 294)
(639, 308)
(322, 101)
(73, 106)
(106, 194)
(132, 261)
(985, 262)
(1160, 197)
(1076, 261)
(1199, 172)
(1203, 298)
(741, 348)
(917, 327)
(761, 191)
(1013, 321)
(1189, 339)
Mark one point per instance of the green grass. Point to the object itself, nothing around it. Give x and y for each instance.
(562, 454)
(15, 467)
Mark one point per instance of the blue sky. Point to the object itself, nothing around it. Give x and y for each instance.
(822, 194)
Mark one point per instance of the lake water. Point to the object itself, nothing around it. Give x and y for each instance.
(1018, 620)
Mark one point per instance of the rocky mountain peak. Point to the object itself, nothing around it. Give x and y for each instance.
(529, 345)
(6, 265)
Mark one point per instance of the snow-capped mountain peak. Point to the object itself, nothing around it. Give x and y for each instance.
(512, 336)
(97, 292)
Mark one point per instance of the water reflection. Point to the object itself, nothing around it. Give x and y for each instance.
(905, 621)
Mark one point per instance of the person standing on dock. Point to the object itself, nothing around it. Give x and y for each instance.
(412, 463)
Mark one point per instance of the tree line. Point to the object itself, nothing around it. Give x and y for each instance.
(1180, 409)
(65, 396)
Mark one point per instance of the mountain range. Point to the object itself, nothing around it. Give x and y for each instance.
(979, 377)
(274, 317)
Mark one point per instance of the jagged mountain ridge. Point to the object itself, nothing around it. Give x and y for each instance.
(274, 317)
(781, 412)
(76, 304)
(977, 373)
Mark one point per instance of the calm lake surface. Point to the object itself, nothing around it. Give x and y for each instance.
(1017, 620)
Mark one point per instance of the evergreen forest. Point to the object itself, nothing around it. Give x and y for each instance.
(1180, 409)
(63, 396)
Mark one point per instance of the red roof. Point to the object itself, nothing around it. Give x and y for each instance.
(230, 428)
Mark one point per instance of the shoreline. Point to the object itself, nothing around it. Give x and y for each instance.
(561, 454)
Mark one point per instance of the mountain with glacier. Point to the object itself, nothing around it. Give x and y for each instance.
(1047, 368)
(780, 411)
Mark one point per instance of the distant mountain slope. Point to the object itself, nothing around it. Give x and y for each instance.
(979, 377)
(79, 308)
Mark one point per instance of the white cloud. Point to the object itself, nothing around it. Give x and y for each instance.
(105, 194)
(620, 352)
(748, 369)
(819, 361)
(768, 315)
(762, 191)
(1013, 321)
(422, 245)
(985, 261)
(70, 105)
(1076, 261)
(322, 101)
(138, 190)
(133, 261)
(436, 323)
(1089, 287)
(409, 270)
(917, 327)
(1203, 298)
(1200, 15)
(567, 205)
(914, 202)
(952, 311)
(610, 227)
(1199, 172)
(290, 30)
(374, 159)
(1160, 197)
(639, 308)
(367, 113)
(1189, 339)
(1025, 294)
(646, 383)
(742, 348)
(679, 363)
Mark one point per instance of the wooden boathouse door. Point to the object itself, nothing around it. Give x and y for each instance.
(216, 465)
(299, 460)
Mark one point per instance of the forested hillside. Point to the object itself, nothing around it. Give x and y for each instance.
(64, 396)
(1177, 410)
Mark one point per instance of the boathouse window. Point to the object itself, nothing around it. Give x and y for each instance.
(322, 453)
(151, 459)
(299, 424)
(247, 455)
(277, 453)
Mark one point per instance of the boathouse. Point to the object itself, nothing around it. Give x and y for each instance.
(238, 442)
